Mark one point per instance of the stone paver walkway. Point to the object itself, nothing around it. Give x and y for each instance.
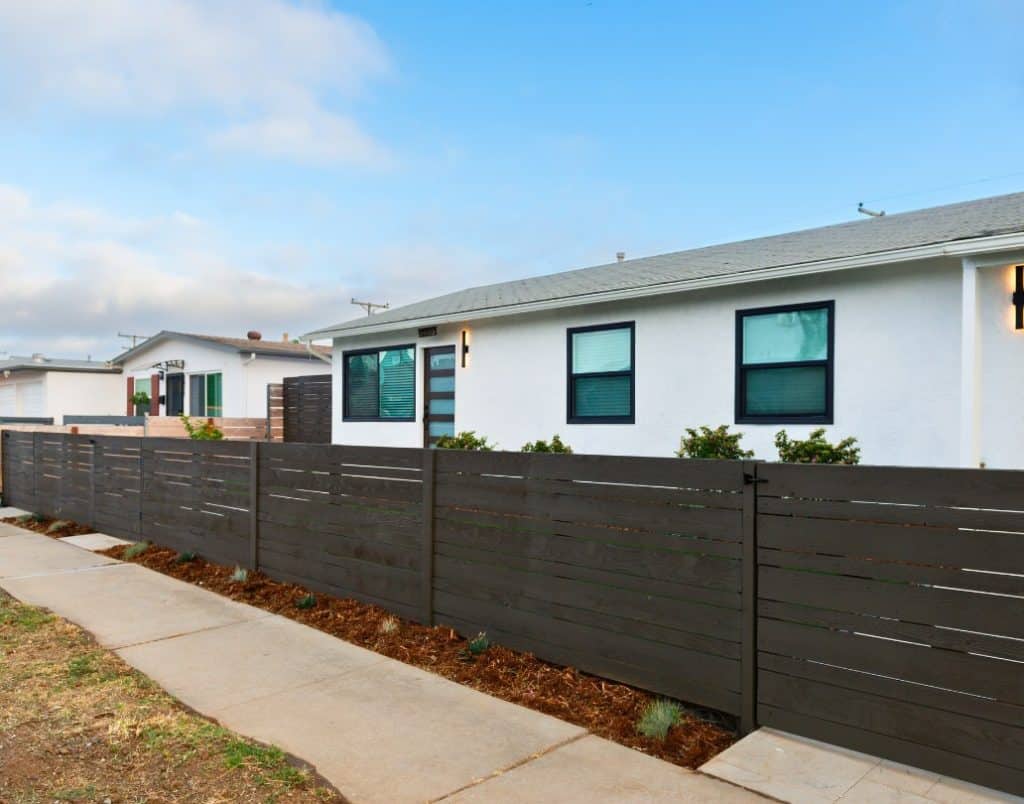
(804, 771)
(380, 730)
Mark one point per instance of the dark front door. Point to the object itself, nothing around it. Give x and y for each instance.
(175, 402)
(438, 394)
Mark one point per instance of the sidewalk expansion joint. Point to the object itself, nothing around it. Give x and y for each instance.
(180, 634)
(72, 571)
(513, 766)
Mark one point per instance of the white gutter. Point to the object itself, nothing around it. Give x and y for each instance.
(960, 248)
(312, 351)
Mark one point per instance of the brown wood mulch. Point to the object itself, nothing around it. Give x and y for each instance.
(606, 708)
(55, 528)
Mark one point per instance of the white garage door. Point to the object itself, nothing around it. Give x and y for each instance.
(30, 398)
(8, 401)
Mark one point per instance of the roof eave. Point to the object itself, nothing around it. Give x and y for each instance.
(955, 248)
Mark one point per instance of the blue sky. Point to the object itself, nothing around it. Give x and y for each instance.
(221, 165)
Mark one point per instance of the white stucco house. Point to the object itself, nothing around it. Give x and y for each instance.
(211, 375)
(902, 330)
(40, 387)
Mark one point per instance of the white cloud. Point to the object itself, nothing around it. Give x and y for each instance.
(314, 137)
(286, 65)
(72, 276)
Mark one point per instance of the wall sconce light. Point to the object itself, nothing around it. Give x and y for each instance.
(1018, 297)
(465, 345)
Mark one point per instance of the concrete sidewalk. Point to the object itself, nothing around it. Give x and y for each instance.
(378, 729)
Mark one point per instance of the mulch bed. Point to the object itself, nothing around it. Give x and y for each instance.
(55, 528)
(605, 708)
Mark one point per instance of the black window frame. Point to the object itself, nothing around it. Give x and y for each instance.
(829, 363)
(345, 417)
(570, 376)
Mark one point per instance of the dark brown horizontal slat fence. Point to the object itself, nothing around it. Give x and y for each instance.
(628, 567)
(344, 520)
(878, 608)
(892, 613)
(307, 409)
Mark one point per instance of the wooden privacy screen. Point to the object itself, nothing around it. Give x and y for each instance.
(626, 567)
(307, 409)
(889, 620)
(275, 411)
(881, 609)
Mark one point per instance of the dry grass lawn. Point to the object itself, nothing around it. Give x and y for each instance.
(78, 724)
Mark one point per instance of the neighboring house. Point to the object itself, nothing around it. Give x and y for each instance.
(45, 387)
(902, 330)
(209, 375)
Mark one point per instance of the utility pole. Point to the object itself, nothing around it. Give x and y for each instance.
(371, 306)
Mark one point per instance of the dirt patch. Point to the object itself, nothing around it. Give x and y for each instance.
(78, 724)
(606, 708)
(55, 528)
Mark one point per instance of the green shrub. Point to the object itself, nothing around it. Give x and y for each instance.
(554, 445)
(203, 432)
(816, 449)
(140, 399)
(185, 557)
(707, 443)
(467, 439)
(240, 575)
(306, 601)
(658, 717)
(135, 550)
(58, 525)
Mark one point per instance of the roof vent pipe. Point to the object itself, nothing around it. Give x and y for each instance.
(37, 357)
(620, 256)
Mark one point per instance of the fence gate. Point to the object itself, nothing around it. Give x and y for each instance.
(891, 614)
(307, 409)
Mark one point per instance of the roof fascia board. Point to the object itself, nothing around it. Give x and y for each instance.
(167, 335)
(963, 248)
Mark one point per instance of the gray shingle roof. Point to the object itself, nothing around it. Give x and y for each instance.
(40, 363)
(966, 220)
(241, 345)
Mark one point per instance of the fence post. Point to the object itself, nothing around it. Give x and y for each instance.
(36, 437)
(427, 557)
(748, 654)
(4, 488)
(254, 505)
(92, 483)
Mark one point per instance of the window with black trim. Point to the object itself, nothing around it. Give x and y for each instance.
(784, 364)
(380, 384)
(600, 374)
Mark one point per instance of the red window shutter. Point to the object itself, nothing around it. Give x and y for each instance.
(154, 395)
(131, 393)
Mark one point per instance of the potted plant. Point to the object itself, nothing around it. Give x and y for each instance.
(141, 401)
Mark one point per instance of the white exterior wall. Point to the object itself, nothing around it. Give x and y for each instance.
(23, 394)
(58, 393)
(265, 370)
(1000, 372)
(244, 382)
(897, 368)
(83, 394)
